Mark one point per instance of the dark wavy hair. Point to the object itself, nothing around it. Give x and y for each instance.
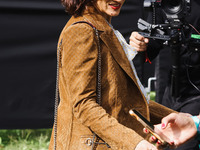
(75, 7)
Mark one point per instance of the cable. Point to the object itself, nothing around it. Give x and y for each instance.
(187, 71)
(195, 29)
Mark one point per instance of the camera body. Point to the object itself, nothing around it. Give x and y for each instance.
(173, 9)
(175, 12)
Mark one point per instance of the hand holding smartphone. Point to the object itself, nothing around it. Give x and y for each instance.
(146, 124)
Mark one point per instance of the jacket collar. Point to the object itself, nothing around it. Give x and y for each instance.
(108, 37)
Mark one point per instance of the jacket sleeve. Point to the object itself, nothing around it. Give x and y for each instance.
(154, 48)
(79, 65)
(158, 111)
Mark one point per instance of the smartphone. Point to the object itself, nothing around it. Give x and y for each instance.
(146, 124)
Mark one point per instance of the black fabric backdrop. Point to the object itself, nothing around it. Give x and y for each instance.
(29, 33)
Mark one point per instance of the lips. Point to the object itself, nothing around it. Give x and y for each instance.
(115, 6)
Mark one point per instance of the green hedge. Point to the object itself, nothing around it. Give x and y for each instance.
(26, 139)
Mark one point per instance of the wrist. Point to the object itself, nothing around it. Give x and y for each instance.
(196, 120)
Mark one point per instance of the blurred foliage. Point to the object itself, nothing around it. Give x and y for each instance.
(152, 95)
(25, 139)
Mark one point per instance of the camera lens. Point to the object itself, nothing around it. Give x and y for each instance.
(174, 3)
(172, 6)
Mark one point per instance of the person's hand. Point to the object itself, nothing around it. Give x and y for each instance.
(176, 129)
(138, 41)
(152, 139)
(145, 145)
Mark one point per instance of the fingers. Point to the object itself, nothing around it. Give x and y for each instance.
(171, 118)
(152, 139)
(168, 119)
(138, 41)
(146, 131)
(158, 143)
(146, 40)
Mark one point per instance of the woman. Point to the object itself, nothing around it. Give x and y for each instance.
(79, 115)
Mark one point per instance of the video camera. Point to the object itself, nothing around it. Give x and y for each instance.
(175, 12)
(174, 9)
(173, 31)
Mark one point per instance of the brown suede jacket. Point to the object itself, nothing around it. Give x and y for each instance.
(78, 112)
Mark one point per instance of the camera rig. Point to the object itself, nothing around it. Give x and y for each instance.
(172, 32)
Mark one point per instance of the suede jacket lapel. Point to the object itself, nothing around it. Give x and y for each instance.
(118, 54)
(108, 37)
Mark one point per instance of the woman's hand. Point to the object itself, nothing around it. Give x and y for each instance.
(138, 41)
(176, 129)
(179, 128)
(145, 145)
(152, 139)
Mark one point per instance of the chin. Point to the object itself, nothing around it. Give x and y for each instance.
(114, 14)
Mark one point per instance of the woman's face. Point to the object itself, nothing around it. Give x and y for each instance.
(109, 8)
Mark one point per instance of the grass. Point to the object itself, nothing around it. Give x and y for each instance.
(26, 139)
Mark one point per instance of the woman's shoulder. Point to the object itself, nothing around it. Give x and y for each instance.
(76, 30)
(77, 25)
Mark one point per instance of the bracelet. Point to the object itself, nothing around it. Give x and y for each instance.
(197, 123)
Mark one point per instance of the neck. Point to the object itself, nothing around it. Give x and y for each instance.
(107, 17)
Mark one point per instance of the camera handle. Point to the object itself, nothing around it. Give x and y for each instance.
(175, 45)
(153, 31)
